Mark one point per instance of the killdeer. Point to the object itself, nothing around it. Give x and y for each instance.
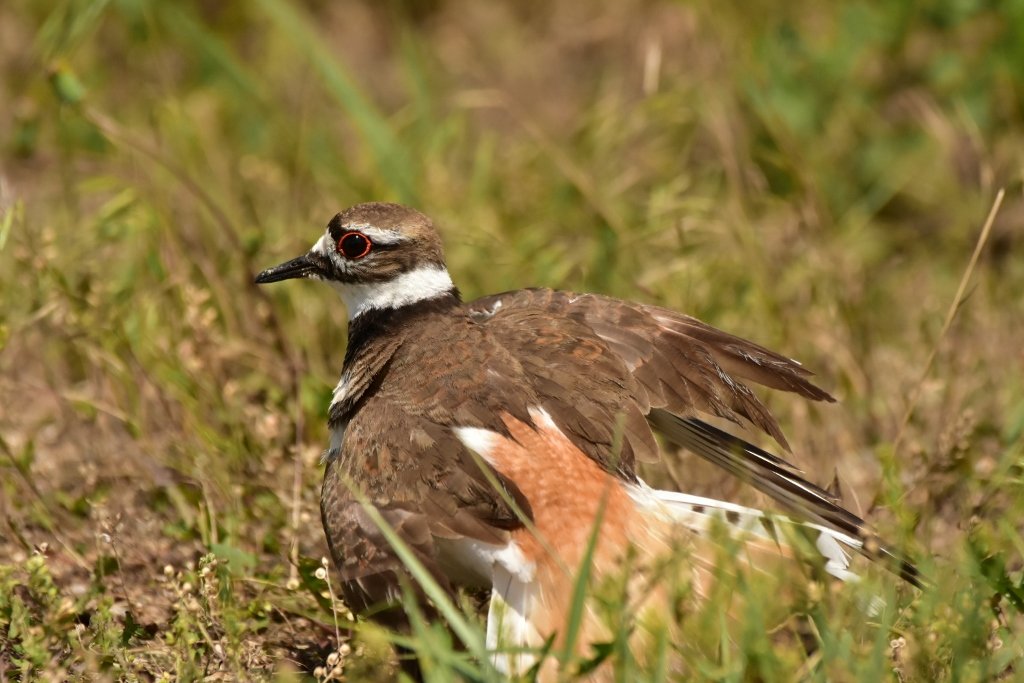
(494, 435)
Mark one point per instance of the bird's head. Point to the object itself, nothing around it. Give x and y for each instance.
(376, 256)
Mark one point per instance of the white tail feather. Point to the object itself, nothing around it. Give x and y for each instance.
(516, 599)
(698, 514)
(509, 624)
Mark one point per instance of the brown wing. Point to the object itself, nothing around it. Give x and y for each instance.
(424, 483)
(583, 387)
(675, 362)
(668, 367)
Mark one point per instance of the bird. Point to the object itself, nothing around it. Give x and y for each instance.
(497, 437)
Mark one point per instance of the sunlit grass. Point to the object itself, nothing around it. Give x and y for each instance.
(812, 176)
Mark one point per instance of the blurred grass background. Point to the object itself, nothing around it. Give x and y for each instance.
(810, 175)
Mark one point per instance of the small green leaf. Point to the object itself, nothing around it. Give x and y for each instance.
(131, 627)
(65, 83)
(239, 561)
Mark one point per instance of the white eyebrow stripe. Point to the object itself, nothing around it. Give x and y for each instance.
(379, 235)
(325, 245)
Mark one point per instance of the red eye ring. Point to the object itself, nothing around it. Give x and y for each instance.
(354, 245)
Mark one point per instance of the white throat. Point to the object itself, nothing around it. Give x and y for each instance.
(408, 288)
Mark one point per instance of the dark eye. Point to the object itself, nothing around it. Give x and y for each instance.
(354, 245)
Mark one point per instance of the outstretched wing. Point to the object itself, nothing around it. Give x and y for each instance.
(670, 368)
(672, 362)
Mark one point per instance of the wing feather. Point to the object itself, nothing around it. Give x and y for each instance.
(681, 367)
(674, 362)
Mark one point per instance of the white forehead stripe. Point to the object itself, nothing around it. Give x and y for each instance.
(421, 284)
(324, 246)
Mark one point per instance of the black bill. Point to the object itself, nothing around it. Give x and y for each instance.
(303, 266)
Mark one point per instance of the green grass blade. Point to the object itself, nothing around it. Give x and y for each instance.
(470, 636)
(580, 589)
(392, 160)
